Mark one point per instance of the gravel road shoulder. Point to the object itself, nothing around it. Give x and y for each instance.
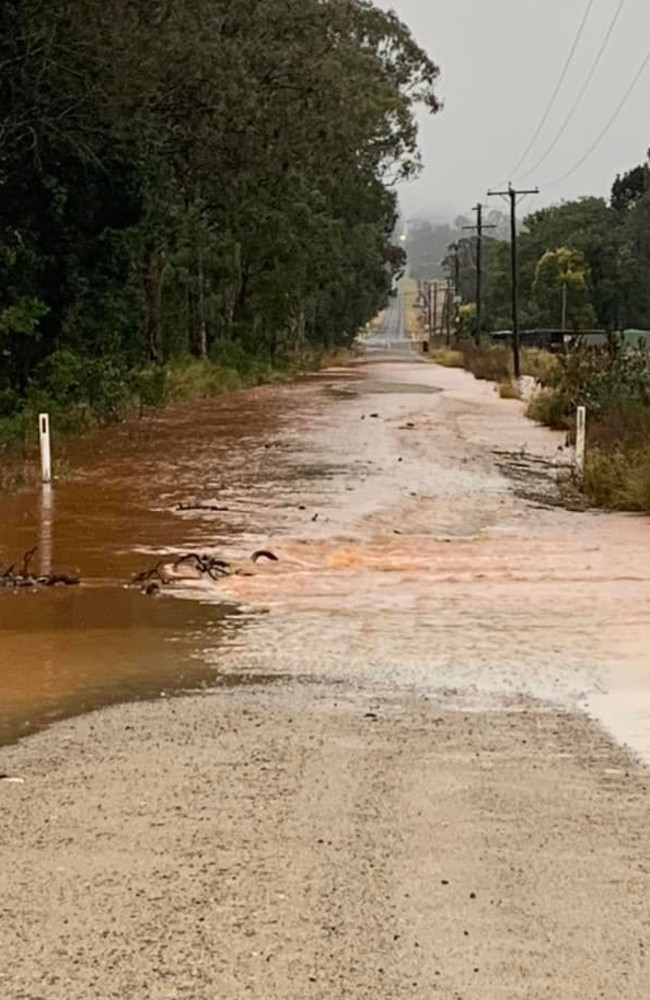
(296, 841)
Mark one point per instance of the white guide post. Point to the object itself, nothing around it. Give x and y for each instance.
(581, 440)
(46, 451)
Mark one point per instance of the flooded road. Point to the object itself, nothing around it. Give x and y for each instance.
(64, 652)
(433, 799)
(407, 559)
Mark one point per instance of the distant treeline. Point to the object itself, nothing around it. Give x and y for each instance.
(585, 261)
(195, 177)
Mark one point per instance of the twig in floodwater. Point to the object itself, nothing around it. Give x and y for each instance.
(202, 506)
(149, 574)
(213, 567)
(24, 579)
(27, 559)
(264, 554)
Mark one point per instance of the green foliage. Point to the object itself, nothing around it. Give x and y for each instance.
(540, 365)
(550, 408)
(202, 179)
(563, 274)
(614, 384)
(607, 274)
(606, 381)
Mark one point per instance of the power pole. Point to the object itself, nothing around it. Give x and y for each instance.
(479, 229)
(455, 249)
(511, 194)
(448, 302)
(434, 322)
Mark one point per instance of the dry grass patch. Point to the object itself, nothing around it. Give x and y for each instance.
(508, 389)
(447, 357)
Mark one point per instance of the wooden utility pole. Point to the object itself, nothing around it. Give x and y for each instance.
(479, 229)
(434, 323)
(448, 302)
(511, 194)
(455, 249)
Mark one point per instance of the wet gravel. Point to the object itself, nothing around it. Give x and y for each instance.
(393, 791)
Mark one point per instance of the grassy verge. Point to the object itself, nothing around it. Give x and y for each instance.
(614, 385)
(494, 364)
(78, 399)
(414, 317)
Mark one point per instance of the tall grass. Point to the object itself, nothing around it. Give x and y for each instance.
(414, 317)
(614, 385)
(494, 363)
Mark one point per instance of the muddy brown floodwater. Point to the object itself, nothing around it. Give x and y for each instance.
(445, 792)
(68, 651)
(379, 484)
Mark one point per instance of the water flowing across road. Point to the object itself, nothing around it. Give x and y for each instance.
(395, 775)
(407, 557)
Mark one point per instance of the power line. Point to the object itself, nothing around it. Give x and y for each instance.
(558, 87)
(583, 90)
(601, 135)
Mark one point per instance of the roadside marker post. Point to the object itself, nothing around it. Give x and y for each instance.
(46, 451)
(581, 440)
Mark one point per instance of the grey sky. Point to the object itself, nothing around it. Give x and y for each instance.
(500, 61)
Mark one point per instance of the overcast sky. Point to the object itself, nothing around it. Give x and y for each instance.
(500, 62)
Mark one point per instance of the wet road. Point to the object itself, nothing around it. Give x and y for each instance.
(392, 335)
(433, 799)
(399, 538)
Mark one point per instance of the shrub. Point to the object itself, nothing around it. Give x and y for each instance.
(540, 365)
(447, 357)
(508, 389)
(549, 407)
(192, 379)
(490, 363)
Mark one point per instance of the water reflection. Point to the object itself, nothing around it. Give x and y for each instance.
(66, 651)
(72, 650)
(45, 537)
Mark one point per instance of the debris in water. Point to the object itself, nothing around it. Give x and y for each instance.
(264, 554)
(201, 506)
(215, 567)
(24, 578)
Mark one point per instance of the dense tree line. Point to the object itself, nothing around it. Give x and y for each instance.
(587, 261)
(593, 253)
(195, 176)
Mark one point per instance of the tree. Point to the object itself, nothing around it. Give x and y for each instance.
(198, 176)
(561, 290)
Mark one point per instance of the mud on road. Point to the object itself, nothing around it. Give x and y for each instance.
(432, 799)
